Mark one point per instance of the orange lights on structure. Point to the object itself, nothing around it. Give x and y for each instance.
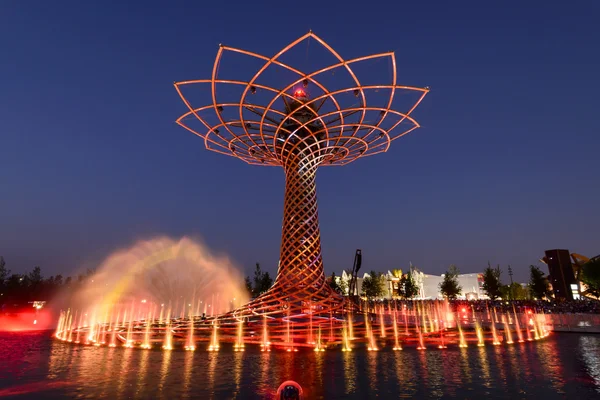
(299, 139)
(275, 124)
(299, 93)
(255, 140)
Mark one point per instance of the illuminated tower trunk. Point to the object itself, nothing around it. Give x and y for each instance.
(282, 125)
(300, 271)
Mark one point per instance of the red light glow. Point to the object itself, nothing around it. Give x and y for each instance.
(299, 93)
(26, 321)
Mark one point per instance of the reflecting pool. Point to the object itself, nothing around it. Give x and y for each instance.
(33, 366)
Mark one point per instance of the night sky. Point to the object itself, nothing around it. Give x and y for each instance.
(504, 167)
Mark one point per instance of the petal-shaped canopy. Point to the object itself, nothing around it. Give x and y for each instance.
(253, 123)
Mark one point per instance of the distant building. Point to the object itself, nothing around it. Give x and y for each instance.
(562, 278)
(471, 285)
(429, 285)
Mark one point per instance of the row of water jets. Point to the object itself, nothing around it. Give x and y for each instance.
(148, 325)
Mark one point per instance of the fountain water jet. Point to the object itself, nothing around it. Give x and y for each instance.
(239, 343)
(479, 333)
(372, 346)
(509, 339)
(421, 345)
(381, 322)
(214, 341)
(396, 341)
(265, 345)
(463, 342)
(345, 338)
(168, 343)
(146, 344)
(319, 346)
(350, 324)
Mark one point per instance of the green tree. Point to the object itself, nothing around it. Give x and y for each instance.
(373, 286)
(257, 288)
(333, 284)
(58, 280)
(538, 284)
(262, 281)
(344, 286)
(247, 283)
(491, 282)
(590, 276)
(408, 288)
(266, 282)
(15, 287)
(35, 276)
(4, 273)
(515, 291)
(518, 292)
(449, 286)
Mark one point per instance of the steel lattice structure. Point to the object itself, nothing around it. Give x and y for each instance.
(300, 134)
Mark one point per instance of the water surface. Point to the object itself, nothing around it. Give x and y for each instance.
(33, 366)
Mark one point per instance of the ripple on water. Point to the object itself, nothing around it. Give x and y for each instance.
(561, 366)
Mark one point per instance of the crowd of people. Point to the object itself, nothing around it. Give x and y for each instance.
(584, 306)
(554, 307)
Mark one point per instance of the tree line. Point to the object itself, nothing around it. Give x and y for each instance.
(19, 289)
(589, 274)
(374, 285)
(538, 287)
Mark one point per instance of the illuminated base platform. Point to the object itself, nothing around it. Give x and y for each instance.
(420, 327)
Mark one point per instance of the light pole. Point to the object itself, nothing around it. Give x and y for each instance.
(510, 274)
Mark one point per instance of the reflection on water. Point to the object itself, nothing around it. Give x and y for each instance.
(435, 373)
(421, 365)
(372, 369)
(484, 366)
(165, 368)
(319, 357)
(589, 348)
(465, 367)
(349, 372)
(561, 366)
(513, 359)
(123, 377)
(237, 371)
(264, 362)
(499, 353)
(551, 364)
(142, 374)
(212, 365)
(405, 376)
(523, 359)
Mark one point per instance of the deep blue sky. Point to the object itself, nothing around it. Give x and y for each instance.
(505, 166)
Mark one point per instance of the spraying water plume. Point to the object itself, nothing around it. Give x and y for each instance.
(182, 275)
